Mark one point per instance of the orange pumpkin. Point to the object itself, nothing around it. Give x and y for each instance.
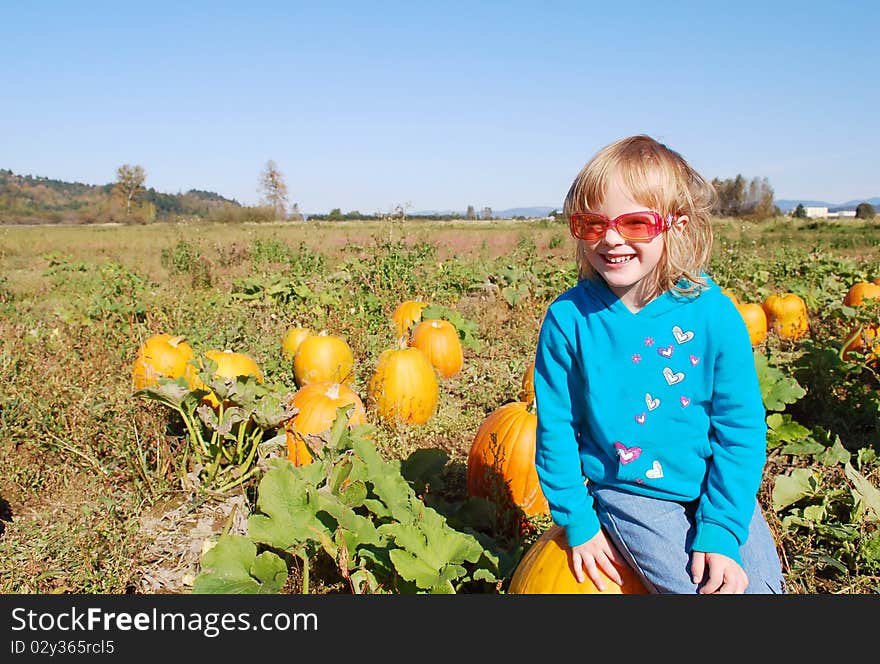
(756, 321)
(160, 356)
(438, 339)
(546, 569)
(527, 390)
(860, 291)
(323, 357)
(229, 365)
(786, 315)
(406, 315)
(317, 403)
(291, 341)
(503, 452)
(403, 388)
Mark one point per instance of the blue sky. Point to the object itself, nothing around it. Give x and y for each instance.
(440, 105)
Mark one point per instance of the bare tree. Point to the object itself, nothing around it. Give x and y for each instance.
(274, 189)
(129, 183)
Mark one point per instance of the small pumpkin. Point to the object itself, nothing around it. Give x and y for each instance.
(786, 315)
(323, 357)
(546, 569)
(291, 341)
(230, 364)
(317, 404)
(502, 458)
(527, 390)
(755, 319)
(860, 291)
(403, 388)
(160, 356)
(407, 314)
(438, 339)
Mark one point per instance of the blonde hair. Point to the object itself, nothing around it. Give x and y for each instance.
(662, 180)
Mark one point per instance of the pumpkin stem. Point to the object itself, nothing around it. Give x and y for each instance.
(332, 392)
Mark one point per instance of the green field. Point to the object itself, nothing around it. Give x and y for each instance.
(97, 492)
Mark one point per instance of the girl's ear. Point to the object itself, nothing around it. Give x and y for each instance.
(680, 222)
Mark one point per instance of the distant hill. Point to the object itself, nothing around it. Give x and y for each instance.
(27, 199)
(787, 205)
(510, 213)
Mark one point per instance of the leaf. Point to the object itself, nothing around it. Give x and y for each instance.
(835, 454)
(781, 428)
(777, 389)
(864, 492)
(232, 566)
(288, 510)
(788, 489)
(423, 468)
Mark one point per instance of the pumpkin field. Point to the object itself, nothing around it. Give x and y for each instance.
(346, 407)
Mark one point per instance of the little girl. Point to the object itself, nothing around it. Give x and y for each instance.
(651, 437)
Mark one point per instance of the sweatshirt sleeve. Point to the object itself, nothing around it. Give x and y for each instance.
(559, 400)
(738, 440)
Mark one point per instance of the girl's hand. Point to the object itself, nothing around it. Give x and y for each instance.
(725, 576)
(595, 554)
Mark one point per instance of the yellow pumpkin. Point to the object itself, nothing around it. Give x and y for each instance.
(291, 341)
(406, 315)
(317, 403)
(160, 356)
(546, 569)
(230, 364)
(786, 315)
(438, 339)
(323, 357)
(404, 388)
(527, 390)
(860, 291)
(755, 319)
(501, 460)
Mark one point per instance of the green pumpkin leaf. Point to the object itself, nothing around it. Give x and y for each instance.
(232, 566)
(789, 489)
(864, 492)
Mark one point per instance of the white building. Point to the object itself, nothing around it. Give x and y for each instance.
(816, 212)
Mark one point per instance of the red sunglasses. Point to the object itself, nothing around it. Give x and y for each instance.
(634, 226)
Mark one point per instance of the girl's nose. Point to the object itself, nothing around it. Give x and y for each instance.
(612, 237)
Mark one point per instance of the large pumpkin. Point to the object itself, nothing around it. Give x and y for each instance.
(546, 569)
(502, 459)
(160, 356)
(323, 357)
(230, 364)
(786, 315)
(317, 403)
(291, 341)
(404, 388)
(406, 315)
(861, 290)
(438, 339)
(755, 319)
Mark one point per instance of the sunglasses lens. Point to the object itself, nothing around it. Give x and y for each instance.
(637, 226)
(587, 226)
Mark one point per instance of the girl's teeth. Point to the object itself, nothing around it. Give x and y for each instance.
(617, 259)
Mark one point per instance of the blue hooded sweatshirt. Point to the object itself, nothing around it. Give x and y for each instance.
(664, 402)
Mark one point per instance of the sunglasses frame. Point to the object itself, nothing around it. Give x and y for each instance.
(660, 224)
